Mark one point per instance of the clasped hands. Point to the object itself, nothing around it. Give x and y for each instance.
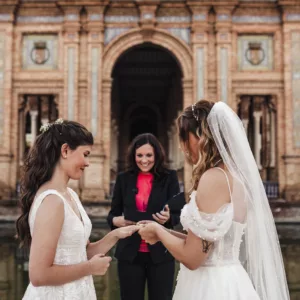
(147, 229)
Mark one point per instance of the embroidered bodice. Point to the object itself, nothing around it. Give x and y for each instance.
(71, 249)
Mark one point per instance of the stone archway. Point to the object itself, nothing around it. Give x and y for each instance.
(178, 49)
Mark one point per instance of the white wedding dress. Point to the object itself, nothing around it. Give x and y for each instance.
(71, 249)
(221, 276)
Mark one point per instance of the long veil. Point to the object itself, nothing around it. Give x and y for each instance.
(264, 261)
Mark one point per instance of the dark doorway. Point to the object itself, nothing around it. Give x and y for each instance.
(146, 97)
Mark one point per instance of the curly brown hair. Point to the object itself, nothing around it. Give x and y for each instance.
(194, 120)
(40, 163)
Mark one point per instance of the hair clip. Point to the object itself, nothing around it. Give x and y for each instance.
(194, 114)
(59, 121)
(45, 127)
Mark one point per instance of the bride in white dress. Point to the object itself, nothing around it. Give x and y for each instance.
(54, 223)
(227, 219)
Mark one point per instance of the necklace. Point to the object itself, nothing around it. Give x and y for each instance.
(217, 162)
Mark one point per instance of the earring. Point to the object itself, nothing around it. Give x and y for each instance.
(187, 153)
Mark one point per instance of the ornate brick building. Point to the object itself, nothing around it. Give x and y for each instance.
(126, 67)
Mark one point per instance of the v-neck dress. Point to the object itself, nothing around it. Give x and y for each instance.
(70, 250)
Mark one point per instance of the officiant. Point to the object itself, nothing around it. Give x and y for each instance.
(145, 192)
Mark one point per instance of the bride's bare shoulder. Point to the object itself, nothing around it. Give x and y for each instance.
(212, 191)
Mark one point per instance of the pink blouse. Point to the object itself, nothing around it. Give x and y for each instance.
(144, 186)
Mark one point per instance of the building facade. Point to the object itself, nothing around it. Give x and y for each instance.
(125, 67)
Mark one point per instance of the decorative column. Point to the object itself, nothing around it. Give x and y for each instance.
(244, 108)
(106, 133)
(291, 50)
(21, 117)
(8, 124)
(200, 29)
(171, 158)
(224, 52)
(257, 115)
(95, 41)
(178, 156)
(272, 139)
(187, 100)
(93, 187)
(114, 145)
(33, 119)
(71, 61)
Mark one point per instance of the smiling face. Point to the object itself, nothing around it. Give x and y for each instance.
(145, 158)
(75, 161)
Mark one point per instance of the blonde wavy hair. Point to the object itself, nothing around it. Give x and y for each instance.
(194, 120)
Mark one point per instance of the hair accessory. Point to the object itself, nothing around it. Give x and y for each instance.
(46, 126)
(194, 114)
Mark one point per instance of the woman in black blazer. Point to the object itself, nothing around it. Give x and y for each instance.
(141, 193)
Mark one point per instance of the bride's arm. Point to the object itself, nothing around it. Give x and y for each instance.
(193, 251)
(180, 235)
(47, 229)
(187, 250)
(103, 245)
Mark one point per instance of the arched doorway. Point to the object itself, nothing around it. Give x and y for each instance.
(109, 134)
(146, 97)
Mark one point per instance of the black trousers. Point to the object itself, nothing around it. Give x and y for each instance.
(133, 276)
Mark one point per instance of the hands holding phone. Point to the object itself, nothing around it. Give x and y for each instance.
(163, 216)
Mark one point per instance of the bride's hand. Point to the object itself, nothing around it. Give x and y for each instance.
(99, 264)
(124, 232)
(148, 232)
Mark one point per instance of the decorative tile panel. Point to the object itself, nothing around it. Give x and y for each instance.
(5, 17)
(256, 19)
(40, 52)
(293, 17)
(96, 17)
(182, 33)
(40, 19)
(199, 17)
(174, 19)
(72, 17)
(111, 33)
(223, 17)
(147, 16)
(255, 52)
(121, 19)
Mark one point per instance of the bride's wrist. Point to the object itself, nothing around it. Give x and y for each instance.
(89, 268)
(115, 233)
(158, 230)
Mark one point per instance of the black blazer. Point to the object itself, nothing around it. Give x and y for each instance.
(124, 203)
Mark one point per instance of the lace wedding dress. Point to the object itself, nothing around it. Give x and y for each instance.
(71, 249)
(221, 277)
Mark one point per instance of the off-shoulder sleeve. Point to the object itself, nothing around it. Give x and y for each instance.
(209, 227)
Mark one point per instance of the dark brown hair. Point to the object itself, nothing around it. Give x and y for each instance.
(40, 163)
(194, 120)
(159, 153)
